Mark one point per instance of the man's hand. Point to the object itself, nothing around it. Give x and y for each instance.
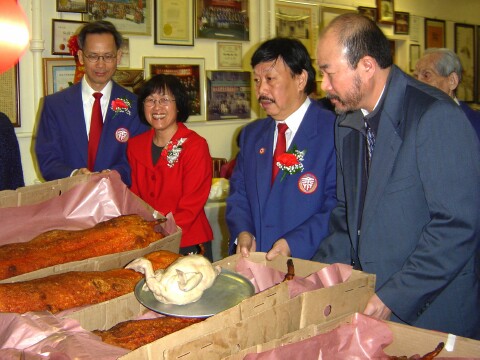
(377, 309)
(246, 243)
(280, 247)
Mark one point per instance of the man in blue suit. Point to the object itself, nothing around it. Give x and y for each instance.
(289, 214)
(62, 136)
(409, 212)
(442, 68)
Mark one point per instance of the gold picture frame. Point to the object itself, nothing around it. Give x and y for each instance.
(58, 74)
(385, 12)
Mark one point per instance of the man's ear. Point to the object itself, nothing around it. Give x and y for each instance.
(80, 56)
(368, 65)
(302, 79)
(453, 81)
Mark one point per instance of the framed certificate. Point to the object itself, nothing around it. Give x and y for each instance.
(61, 32)
(229, 55)
(174, 22)
(58, 74)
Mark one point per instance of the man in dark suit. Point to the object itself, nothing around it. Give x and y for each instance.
(442, 68)
(409, 213)
(63, 132)
(288, 214)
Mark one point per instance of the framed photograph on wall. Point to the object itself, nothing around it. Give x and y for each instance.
(190, 71)
(402, 23)
(61, 32)
(465, 49)
(74, 6)
(414, 55)
(385, 12)
(228, 95)
(226, 19)
(10, 94)
(229, 55)
(434, 33)
(297, 21)
(131, 79)
(129, 17)
(58, 74)
(369, 12)
(173, 22)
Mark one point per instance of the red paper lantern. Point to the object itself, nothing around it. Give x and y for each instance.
(14, 34)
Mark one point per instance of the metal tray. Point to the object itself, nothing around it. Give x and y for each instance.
(228, 290)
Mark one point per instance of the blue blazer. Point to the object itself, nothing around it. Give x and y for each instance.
(62, 140)
(473, 116)
(284, 210)
(420, 226)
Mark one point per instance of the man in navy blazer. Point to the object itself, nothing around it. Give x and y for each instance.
(442, 68)
(289, 216)
(409, 214)
(62, 136)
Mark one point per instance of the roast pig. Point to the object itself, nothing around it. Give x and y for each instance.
(183, 282)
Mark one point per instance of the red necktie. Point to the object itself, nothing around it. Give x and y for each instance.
(96, 125)
(280, 148)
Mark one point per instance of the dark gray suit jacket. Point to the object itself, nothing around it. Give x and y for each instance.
(420, 224)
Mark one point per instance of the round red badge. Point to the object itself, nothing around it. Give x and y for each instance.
(122, 135)
(307, 183)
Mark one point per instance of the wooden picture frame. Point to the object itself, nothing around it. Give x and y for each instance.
(402, 23)
(128, 17)
(229, 55)
(297, 20)
(61, 32)
(130, 79)
(465, 49)
(369, 12)
(226, 20)
(385, 12)
(58, 74)
(229, 95)
(73, 6)
(173, 22)
(414, 56)
(434, 33)
(191, 71)
(10, 100)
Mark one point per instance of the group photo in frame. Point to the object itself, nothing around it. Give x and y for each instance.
(190, 71)
(133, 17)
(228, 95)
(227, 20)
(434, 33)
(61, 32)
(385, 12)
(369, 12)
(465, 49)
(74, 6)
(297, 21)
(58, 74)
(402, 23)
(173, 22)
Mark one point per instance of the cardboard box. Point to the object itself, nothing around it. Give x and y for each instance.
(407, 341)
(258, 319)
(41, 193)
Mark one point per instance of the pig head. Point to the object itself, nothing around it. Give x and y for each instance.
(183, 282)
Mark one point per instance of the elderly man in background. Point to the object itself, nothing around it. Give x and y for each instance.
(441, 68)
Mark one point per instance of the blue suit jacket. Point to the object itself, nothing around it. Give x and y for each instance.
(420, 224)
(283, 210)
(473, 116)
(62, 140)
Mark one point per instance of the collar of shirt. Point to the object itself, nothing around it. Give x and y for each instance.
(369, 116)
(88, 99)
(293, 122)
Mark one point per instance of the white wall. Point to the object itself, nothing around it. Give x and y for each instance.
(219, 134)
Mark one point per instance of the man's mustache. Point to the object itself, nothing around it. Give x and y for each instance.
(265, 98)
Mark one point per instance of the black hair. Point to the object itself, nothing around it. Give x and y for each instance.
(99, 27)
(161, 84)
(292, 52)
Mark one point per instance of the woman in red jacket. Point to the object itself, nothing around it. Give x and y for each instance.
(171, 165)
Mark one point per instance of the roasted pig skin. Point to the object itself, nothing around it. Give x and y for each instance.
(123, 233)
(60, 292)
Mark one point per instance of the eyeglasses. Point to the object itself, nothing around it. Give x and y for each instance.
(108, 58)
(162, 101)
